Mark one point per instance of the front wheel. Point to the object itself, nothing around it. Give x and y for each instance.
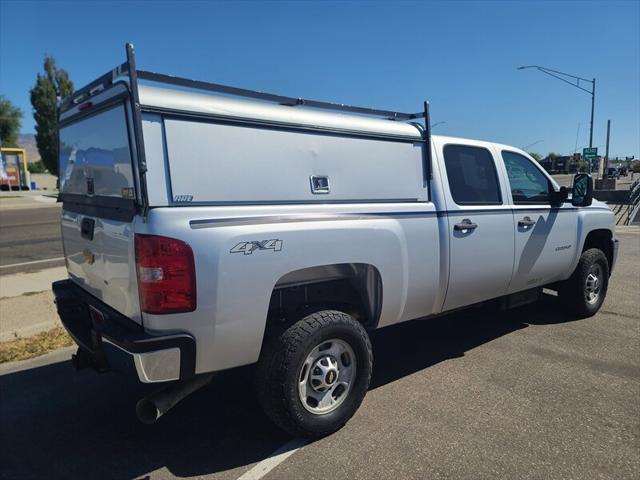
(312, 377)
(584, 292)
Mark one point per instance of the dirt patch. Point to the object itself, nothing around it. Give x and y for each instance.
(39, 344)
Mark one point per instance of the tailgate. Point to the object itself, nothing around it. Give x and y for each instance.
(98, 190)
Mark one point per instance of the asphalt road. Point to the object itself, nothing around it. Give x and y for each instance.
(530, 394)
(30, 235)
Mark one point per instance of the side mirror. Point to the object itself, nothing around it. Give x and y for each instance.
(556, 199)
(582, 195)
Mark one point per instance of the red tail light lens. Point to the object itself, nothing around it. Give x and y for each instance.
(166, 275)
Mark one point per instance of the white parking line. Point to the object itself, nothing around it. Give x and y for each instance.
(273, 460)
(32, 262)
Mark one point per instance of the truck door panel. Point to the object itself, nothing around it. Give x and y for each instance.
(545, 236)
(480, 227)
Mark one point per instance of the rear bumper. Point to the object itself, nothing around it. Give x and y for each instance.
(108, 340)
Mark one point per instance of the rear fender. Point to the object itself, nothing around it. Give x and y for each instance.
(238, 267)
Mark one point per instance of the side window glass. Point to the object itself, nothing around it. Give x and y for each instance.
(472, 175)
(528, 184)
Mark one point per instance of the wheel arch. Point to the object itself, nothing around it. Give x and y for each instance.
(355, 288)
(602, 239)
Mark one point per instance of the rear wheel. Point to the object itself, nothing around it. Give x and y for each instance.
(312, 377)
(584, 292)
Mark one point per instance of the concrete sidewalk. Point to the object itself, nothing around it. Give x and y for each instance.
(25, 283)
(26, 303)
(24, 316)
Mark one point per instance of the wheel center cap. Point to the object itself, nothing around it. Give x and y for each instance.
(324, 374)
(331, 377)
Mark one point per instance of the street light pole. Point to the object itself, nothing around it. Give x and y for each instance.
(593, 103)
(559, 76)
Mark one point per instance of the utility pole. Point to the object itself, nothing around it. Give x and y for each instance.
(606, 155)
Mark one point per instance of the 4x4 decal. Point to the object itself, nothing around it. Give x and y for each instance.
(249, 247)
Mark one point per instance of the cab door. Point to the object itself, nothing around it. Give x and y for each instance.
(545, 236)
(481, 230)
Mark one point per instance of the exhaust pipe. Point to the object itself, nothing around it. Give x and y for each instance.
(151, 408)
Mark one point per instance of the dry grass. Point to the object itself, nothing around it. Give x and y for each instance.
(23, 348)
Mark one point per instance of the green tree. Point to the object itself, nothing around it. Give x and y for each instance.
(553, 155)
(536, 156)
(53, 84)
(10, 123)
(37, 167)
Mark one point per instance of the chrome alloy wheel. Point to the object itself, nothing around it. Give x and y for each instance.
(326, 376)
(593, 284)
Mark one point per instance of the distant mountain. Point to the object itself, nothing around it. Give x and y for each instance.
(28, 142)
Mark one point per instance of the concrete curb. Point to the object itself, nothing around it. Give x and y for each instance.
(29, 331)
(612, 196)
(56, 356)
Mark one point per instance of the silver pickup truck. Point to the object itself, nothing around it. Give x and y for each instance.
(208, 227)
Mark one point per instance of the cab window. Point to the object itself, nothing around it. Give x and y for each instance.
(472, 175)
(528, 183)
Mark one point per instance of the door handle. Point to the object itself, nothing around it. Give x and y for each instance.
(526, 222)
(466, 224)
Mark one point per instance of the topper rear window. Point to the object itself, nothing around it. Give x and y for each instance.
(95, 156)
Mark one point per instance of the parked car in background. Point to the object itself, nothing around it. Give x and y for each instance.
(613, 172)
(624, 171)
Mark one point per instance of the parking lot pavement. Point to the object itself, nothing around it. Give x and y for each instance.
(529, 394)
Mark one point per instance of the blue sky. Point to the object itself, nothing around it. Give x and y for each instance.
(461, 56)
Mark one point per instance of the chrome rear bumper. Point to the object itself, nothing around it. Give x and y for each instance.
(107, 340)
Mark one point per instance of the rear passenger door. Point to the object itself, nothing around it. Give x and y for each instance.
(481, 229)
(546, 236)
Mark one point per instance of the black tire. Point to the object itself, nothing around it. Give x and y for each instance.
(573, 291)
(280, 367)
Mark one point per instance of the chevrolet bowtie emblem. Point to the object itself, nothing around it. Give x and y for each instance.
(89, 257)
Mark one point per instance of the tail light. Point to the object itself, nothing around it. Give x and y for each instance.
(166, 275)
